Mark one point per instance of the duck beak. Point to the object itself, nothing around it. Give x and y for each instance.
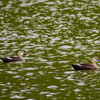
(26, 54)
(99, 60)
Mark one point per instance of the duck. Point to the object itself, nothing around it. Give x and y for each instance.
(85, 66)
(14, 59)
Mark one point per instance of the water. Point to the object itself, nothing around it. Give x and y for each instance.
(55, 34)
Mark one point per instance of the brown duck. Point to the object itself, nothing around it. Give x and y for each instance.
(14, 59)
(85, 66)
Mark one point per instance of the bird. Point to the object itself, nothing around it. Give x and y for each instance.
(85, 66)
(14, 59)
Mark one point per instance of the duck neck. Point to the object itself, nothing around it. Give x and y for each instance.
(94, 64)
(19, 56)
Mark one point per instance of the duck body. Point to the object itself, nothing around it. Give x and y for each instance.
(14, 59)
(85, 66)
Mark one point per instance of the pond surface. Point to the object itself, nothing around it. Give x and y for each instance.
(55, 33)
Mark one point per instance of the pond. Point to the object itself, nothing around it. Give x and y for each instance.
(56, 34)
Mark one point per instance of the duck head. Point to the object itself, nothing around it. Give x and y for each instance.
(96, 59)
(20, 53)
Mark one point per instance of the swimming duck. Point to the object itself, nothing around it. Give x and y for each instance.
(14, 59)
(85, 66)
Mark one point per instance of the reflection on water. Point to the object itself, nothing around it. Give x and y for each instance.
(55, 34)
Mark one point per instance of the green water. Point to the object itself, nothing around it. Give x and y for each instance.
(55, 33)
